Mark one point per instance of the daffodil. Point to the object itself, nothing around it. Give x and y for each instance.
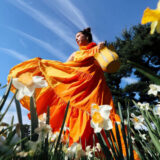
(66, 128)
(34, 146)
(89, 152)
(138, 122)
(53, 136)
(100, 117)
(75, 151)
(152, 16)
(43, 129)
(98, 147)
(42, 117)
(26, 84)
(22, 154)
(154, 89)
(143, 106)
(156, 109)
(143, 136)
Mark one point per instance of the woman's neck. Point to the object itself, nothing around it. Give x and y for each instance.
(88, 46)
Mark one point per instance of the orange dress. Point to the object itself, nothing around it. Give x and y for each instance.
(81, 82)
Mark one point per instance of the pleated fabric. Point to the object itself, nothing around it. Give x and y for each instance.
(81, 82)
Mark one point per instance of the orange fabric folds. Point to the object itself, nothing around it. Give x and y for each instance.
(81, 82)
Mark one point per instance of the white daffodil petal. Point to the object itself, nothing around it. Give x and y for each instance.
(20, 94)
(96, 127)
(152, 92)
(94, 108)
(133, 115)
(107, 125)
(143, 106)
(41, 84)
(105, 107)
(37, 79)
(139, 126)
(29, 91)
(105, 114)
(17, 84)
(154, 89)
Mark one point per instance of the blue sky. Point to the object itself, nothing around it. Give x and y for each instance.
(47, 28)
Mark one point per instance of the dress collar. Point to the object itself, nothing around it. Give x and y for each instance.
(89, 46)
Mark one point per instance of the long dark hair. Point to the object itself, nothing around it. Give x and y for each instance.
(87, 33)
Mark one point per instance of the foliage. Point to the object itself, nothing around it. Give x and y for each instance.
(135, 46)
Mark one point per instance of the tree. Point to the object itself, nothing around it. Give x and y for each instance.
(137, 46)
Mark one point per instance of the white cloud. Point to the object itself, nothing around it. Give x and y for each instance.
(54, 26)
(55, 52)
(71, 13)
(14, 53)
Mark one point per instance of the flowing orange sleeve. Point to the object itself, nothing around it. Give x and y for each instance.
(84, 54)
(30, 66)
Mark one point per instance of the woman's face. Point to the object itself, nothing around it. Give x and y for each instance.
(81, 39)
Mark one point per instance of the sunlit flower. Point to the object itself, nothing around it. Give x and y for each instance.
(133, 139)
(42, 117)
(143, 106)
(156, 109)
(26, 84)
(43, 129)
(152, 16)
(100, 117)
(66, 128)
(75, 151)
(22, 154)
(154, 89)
(89, 152)
(98, 147)
(125, 122)
(34, 146)
(138, 122)
(53, 136)
(143, 136)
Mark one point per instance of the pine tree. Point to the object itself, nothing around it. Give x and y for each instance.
(136, 45)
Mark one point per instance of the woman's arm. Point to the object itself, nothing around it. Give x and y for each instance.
(71, 57)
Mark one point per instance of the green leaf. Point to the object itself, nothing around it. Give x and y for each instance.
(46, 144)
(8, 106)
(129, 136)
(113, 145)
(146, 72)
(119, 141)
(4, 98)
(34, 119)
(104, 146)
(19, 114)
(3, 86)
(59, 137)
(154, 138)
(123, 130)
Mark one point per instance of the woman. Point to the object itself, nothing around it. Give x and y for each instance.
(80, 80)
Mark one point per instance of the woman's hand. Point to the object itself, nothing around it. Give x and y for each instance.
(101, 45)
